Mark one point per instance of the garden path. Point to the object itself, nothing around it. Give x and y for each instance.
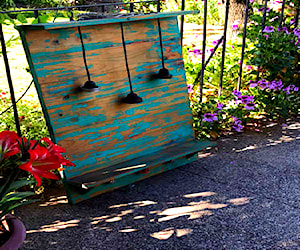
(243, 194)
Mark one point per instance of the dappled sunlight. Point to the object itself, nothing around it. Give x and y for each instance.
(240, 201)
(57, 225)
(168, 232)
(136, 204)
(128, 230)
(138, 216)
(202, 194)
(55, 201)
(194, 210)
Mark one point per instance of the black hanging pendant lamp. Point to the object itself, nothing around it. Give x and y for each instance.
(89, 85)
(163, 73)
(132, 97)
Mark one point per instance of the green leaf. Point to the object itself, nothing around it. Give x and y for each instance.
(18, 184)
(7, 210)
(21, 18)
(43, 18)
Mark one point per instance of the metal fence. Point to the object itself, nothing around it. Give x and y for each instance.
(131, 6)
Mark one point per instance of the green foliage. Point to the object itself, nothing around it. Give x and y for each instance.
(6, 4)
(275, 53)
(31, 117)
(215, 10)
(11, 198)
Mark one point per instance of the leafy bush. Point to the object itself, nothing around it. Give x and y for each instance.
(31, 117)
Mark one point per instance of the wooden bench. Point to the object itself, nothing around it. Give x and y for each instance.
(111, 142)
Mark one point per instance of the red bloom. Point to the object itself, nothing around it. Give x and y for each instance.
(42, 160)
(8, 144)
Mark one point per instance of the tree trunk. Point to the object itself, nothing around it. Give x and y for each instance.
(236, 15)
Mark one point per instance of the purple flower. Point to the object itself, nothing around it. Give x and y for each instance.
(251, 1)
(245, 99)
(235, 27)
(197, 52)
(266, 36)
(263, 8)
(292, 21)
(253, 85)
(268, 29)
(297, 32)
(210, 117)
(237, 125)
(190, 88)
(237, 93)
(215, 42)
(232, 47)
(296, 89)
(250, 106)
(219, 105)
(286, 30)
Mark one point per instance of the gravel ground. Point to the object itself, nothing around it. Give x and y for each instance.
(242, 194)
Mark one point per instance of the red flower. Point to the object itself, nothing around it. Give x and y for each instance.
(42, 160)
(8, 144)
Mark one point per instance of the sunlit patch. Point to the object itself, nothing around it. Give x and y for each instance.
(55, 200)
(154, 212)
(136, 204)
(57, 225)
(197, 215)
(203, 155)
(164, 234)
(97, 220)
(195, 210)
(202, 194)
(119, 205)
(144, 203)
(139, 217)
(127, 230)
(246, 148)
(183, 232)
(170, 217)
(240, 201)
(114, 219)
(125, 212)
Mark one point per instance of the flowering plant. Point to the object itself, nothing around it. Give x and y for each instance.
(38, 158)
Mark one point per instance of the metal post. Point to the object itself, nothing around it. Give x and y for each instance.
(224, 47)
(182, 21)
(281, 14)
(297, 14)
(264, 15)
(36, 14)
(9, 80)
(158, 5)
(243, 45)
(131, 7)
(203, 50)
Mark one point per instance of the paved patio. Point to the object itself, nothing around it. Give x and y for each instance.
(243, 194)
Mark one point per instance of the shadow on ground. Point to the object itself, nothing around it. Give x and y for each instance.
(243, 194)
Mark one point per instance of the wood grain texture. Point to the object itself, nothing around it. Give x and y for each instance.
(98, 131)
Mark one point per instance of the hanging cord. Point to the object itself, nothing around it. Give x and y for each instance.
(84, 55)
(161, 45)
(126, 60)
(18, 99)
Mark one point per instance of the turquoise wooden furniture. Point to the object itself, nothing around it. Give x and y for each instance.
(113, 143)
